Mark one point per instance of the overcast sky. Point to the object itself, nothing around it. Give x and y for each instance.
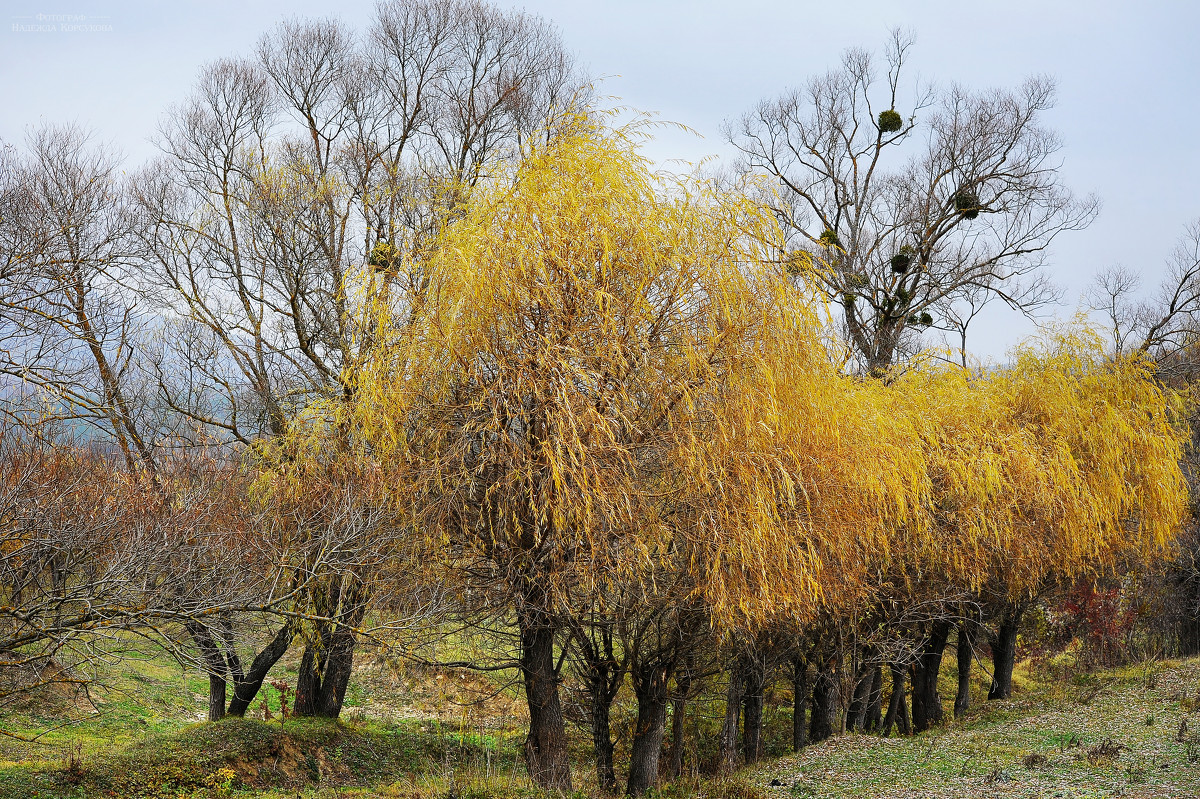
(1128, 77)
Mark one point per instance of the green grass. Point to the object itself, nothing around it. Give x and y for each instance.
(411, 735)
(142, 738)
(147, 695)
(251, 757)
(1046, 743)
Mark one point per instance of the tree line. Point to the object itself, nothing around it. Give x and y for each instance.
(401, 335)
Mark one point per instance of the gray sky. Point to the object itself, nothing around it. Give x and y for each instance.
(1128, 76)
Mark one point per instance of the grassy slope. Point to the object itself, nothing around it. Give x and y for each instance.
(395, 745)
(143, 738)
(1138, 709)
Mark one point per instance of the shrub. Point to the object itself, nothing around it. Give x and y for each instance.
(1098, 617)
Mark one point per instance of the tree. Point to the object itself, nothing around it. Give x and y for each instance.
(581, 316)
(937, 486)
(70, 328)
(912, 206)
(1162, 326)
(600, 662)
(97, 560)
(79, 346)
(659, 639)
(284, 175)
(1064, 465)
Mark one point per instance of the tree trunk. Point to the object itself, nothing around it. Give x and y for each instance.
(896, 703)
(752, 701)
(875, 701)
(1004, 653)
(733, 709)
(325, 675)
(904, 723)
(683, 685)
(214, 664)
(546, 742)
(216, 697)
(308, 680)
(966, 653)
(824, 703)
(327, 662)
(602, 676)
(338, 668)
(926, 705)
(650, 688)
(606, 775)
(245, 689)
(799, 704)
(856, 716)
(325, 668)
(331, 680)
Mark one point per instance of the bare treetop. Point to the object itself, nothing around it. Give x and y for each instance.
(1164, 325)
(915, 214)
(328, 151)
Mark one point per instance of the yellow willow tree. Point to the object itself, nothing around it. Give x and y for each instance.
(795, 498)
(796, 493)
(1064, 465)
(581, 316)
(608, 381)
(940, 483)
(1110, 442)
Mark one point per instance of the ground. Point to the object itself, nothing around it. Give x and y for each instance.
(1132, 732)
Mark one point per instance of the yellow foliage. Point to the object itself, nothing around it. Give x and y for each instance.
(608, 377)
(579, 319)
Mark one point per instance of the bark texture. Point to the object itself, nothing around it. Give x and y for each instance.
(245, 689)
(546, 742)
(966, 653)
(683, 687)
(824, 702)
(1004, 653)
(733, 710)
(650, 688)
(800, 690)
(926, 704)
(897, 713)
(752, 713)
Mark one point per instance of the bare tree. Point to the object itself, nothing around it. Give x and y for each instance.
(296, 185)
(1163, 325)
(70, 329)
(95, 559)
(907, 205)
(77, 344)
(285, 174)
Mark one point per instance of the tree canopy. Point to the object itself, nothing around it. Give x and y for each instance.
(610, 378)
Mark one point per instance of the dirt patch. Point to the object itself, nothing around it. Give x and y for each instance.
(291, 763)
(43, 685)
